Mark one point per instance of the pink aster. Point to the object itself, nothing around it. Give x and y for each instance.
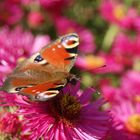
(10, 12)
(116, 12)
(113, 63)
(54, 6)
(123, 48)
(126, 45)
(90, 63)
(29, 2)
(10, 125)
(16, 45)
(70, 115)
(112, 11)
(35, 19)
(130, 82)
(125, 111)
(126, 115)
(101, 63)
(64, 25)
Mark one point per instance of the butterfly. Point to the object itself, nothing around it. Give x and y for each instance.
(46, 72)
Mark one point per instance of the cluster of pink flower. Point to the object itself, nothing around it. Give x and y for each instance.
(26, 26)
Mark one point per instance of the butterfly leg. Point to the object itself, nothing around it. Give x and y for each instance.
(72, 79)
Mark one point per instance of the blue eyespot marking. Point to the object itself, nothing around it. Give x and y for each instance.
(38, 59)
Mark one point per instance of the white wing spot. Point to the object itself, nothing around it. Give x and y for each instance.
(53, 49)
(33, 90)
(59, 46)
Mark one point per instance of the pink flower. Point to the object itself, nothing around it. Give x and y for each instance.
(137, 24)
(10, 124)
(113, 63)
(39, 42)
(90, 63)
(29, 2)
(126, 45)
(10, 12)
(16, 45)
(54, 6)
(126, 115)
(64, 26)
(102, 63)
(70, 115)
(7, 100)
(116, 12)
(123, 48)
(35, 19)
(130, 82)
(109, 91)
(112, 10)
(125, 109)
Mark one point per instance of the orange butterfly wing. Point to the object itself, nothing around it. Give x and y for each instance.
(45, 73)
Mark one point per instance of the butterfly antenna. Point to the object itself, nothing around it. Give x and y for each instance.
(100, 67)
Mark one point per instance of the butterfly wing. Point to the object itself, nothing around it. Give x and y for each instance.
(62, 53)
(35, 82)
(45, 73)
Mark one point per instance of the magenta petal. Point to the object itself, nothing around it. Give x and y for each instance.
(86, 96)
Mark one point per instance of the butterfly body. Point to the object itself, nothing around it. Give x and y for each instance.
(43, 74)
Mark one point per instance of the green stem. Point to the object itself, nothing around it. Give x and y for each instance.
(109, 37)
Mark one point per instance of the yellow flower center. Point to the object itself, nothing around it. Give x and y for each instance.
(119, 12)
(66, 108)
(4, 136)
(133, 123)
(94, 61)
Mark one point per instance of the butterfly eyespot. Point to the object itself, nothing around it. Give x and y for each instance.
(38, 59)
(18, 88)
(71, 42)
